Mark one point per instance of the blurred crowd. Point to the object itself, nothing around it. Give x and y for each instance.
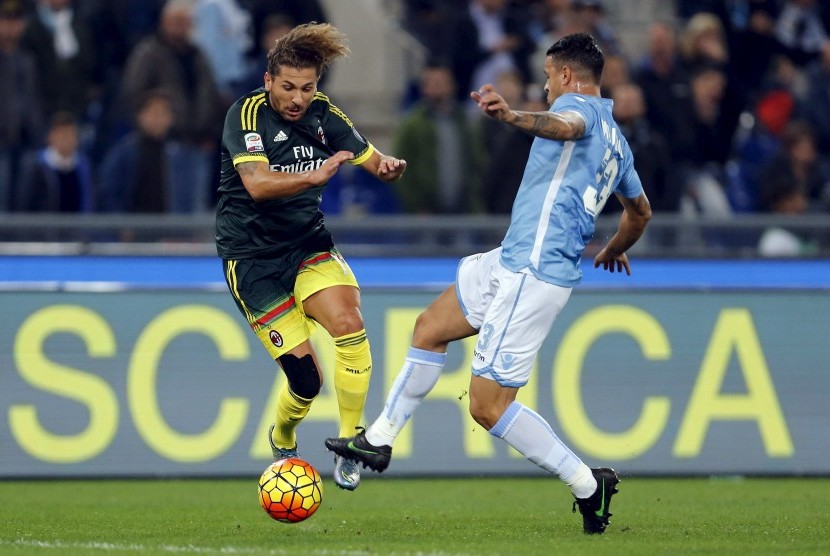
(117, 105)
(726, 110)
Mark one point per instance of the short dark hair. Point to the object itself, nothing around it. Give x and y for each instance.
(795, 131)
(152, 95)
(62, 118)
(12, 9)
(581, 51)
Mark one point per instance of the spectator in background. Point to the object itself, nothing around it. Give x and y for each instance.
(801, 30)
(788, 186)
(117, 26)
(222, 30)
(666, 88)
(718, 100)
(21, 118)
(786, 198)
(797, 163)
(816, 106)
(703, 42)
(759, 138)
(777, 241)
(169, 60)
(62, 46)
(750, 35)
(614, 73)
(446, 29)
(120, 24)
(702, 167)
(443, 147)
(57, 178)
(652, 158)
(137, 174)
(502, 38)
(712, 142)
(507, 148)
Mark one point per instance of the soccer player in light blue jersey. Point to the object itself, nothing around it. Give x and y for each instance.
(510, 296)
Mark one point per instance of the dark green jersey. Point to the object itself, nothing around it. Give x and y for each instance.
(253, 132)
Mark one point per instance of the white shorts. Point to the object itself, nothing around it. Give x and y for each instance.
(513, 312)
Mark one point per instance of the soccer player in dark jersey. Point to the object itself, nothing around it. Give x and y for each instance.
(280, 146)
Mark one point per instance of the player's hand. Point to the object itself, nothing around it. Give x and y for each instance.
(491, 103)
(391, 168)
(612, 263)
(326, 170)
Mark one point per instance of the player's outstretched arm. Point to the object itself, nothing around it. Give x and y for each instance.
(263, 184)
(635, 217)
(386, 168)
(559, 126)
(564, 126)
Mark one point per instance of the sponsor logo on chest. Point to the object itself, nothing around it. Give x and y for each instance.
(304, 160)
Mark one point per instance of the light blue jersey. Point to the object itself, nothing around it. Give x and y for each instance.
(564, 187)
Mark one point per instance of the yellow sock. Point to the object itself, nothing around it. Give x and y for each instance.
(352, 370)
(291, 409)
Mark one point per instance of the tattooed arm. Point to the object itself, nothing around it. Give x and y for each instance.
(263, 184)
(563, 126)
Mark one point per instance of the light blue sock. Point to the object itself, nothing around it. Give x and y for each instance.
(419, 373)
(533, 437)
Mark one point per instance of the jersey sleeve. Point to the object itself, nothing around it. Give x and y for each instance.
(575, 103)
(630, 185)
(241, 136)
(342, 134)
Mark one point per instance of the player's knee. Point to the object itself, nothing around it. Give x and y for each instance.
(346, 322)
(424, 335)
(302, 374)
(483, 414)
(422, 323)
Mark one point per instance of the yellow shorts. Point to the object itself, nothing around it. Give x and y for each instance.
(270, 293)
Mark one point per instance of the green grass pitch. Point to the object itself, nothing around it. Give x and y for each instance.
(386, 516)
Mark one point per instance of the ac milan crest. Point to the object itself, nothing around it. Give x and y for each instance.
(275, 338)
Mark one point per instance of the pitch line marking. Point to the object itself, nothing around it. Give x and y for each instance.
(191, 549)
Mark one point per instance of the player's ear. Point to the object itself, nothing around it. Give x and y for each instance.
(267, 80)
(565, 75)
